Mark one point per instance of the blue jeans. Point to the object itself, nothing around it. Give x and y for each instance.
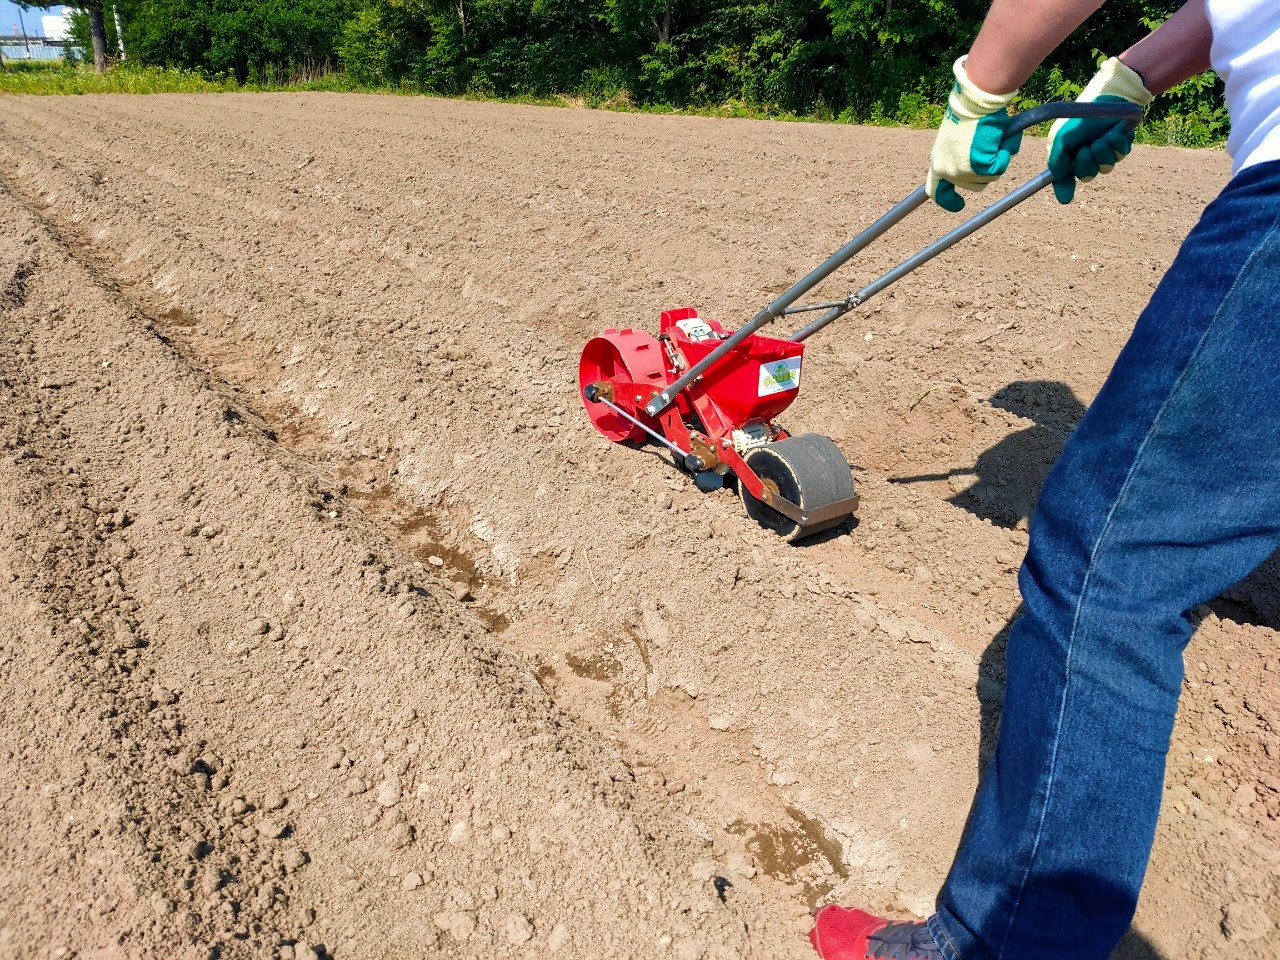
(1167, 494)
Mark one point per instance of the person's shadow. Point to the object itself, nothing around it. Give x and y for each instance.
(1008, 476)
(1007, 482)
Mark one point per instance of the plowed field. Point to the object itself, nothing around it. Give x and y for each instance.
(328, 627)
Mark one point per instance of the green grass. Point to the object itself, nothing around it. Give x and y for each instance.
(22, 76)
(32, 66)
(1175, 130)
(55, 77)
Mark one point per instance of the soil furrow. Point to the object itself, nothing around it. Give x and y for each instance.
(354, 768)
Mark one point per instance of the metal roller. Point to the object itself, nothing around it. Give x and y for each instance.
(807, 470)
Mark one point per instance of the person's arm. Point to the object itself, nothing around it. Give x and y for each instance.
(1018, 34)
(1177, 50)
(973, 147)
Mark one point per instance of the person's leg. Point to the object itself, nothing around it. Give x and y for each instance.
(1167, 494)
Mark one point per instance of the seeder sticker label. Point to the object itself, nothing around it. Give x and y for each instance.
(779, 376)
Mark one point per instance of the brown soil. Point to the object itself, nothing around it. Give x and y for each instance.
(328, 626)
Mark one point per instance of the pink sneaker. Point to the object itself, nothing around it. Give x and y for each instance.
(841, 934)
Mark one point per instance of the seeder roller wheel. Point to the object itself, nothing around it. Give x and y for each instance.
(810, 471)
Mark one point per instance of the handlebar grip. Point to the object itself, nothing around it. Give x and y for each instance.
(1130, 114)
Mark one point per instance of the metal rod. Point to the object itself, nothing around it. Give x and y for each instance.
(835, 313)
(1127, 113)
(949, 240)
(943, 243)
(657, 436)
(775, 309)
(809, 308)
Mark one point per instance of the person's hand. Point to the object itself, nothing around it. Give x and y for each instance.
(973, 146)
(1082, 149)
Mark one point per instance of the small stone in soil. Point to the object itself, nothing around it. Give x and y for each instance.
(272, 829)
(1245, 921)
(400, 836)
(410, 881)
(457, 924)
(519, 929)
(558, 937)
(388, 793)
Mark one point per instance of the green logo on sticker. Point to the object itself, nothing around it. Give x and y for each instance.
(779, 377)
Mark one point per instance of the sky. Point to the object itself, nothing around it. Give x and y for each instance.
(9, 18)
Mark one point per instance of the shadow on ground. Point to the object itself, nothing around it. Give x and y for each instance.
(1007, 478)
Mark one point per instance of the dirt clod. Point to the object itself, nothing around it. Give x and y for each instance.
(1245, 922)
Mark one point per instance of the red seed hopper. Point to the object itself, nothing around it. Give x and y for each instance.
(712, 396)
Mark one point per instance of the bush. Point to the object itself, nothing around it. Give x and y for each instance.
(122, 79)
(32, 66)
(604, 86)
(245, 38)
(916, 111)
(382, 44)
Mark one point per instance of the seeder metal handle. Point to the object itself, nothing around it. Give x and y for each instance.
(1129, 114)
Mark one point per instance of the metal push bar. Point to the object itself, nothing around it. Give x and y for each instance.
(944, 242)
(1129, 114)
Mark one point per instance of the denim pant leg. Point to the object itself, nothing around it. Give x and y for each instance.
(1167, 494)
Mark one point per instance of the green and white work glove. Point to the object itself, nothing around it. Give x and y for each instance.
(1082, 149)
(973, 146)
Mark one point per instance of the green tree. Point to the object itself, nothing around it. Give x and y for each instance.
(246, 38)
(653, 19)
(856, 59)
(384, 42)
(92, 11)
(80, 32)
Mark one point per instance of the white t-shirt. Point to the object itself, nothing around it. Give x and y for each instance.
(1246, 55)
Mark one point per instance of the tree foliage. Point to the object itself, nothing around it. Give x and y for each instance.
(854, 59)
(244, 38)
